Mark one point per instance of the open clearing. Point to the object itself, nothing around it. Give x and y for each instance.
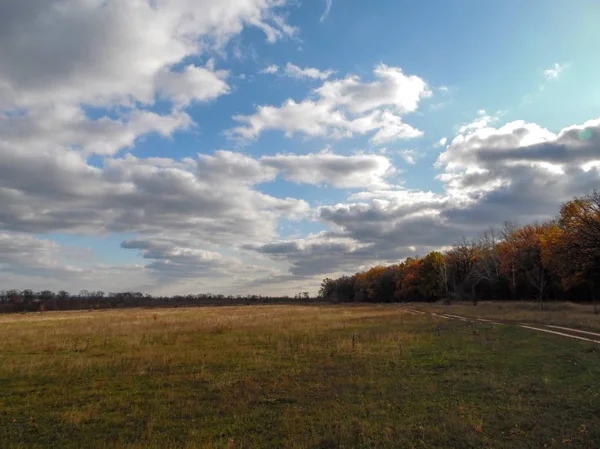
(297, 376)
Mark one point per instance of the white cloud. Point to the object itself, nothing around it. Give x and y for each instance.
(391, 88)
(112, 52)
(441, 143)
(26, 254)
(482, 121)
(112, 61)
(328, 4)
(192, 84)
(390, 128)
(309, 72)
(118, 57)
(314, 255)
(359, 171)
(69, 126)
(58, 190)
(518, 172)
(188, 217)
(554, 72)
(40, 264)
(410, 156)
(272, 69)
(185, 211)
(294, 71)
(345, 107)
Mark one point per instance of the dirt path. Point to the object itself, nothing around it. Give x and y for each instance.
(565, 332)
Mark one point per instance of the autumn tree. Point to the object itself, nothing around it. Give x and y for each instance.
(574, 247)
(521, 256)
(461, 261)
(486, 269)
(433, 280)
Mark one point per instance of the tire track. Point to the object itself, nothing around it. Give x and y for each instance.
(568, 332)
(577, 337)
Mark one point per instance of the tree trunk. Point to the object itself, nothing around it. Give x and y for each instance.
(514, 284)
(473, 295)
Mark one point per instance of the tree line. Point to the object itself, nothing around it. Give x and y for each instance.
(558, 259)
(27, 300)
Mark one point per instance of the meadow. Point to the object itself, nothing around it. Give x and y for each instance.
(328, 376)
(579, 316)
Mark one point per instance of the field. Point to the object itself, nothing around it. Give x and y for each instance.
(292, 376)
(580, 316)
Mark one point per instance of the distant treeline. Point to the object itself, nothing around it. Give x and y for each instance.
(12, 301)
(555, 260)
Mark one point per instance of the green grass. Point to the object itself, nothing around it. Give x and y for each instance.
(287, 376)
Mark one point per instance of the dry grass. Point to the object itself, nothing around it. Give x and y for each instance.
(289, 376)
(558, 313)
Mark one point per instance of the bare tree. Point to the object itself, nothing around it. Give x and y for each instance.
(487, 265)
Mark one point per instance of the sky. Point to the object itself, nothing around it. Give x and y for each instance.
(259, 146)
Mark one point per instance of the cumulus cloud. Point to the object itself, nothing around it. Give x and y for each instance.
(207, 203)
(90, 78)
(59, 190)
(176, 259)
(272, 69)
(235, 166)
(112, 52)
(293, 71)
(359, 171)
(521, 170)
(345, 107)
(483, 120)
(60, 57)
(296, 72)
(39, 264)
(442, 142)
(314, 255)
(518, 172)
(25, 254)
(192, 84)
(69, 126)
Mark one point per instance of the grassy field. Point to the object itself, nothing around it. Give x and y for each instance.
(291, 376)
(568, 314)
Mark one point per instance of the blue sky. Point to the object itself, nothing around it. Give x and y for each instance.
(161, 154)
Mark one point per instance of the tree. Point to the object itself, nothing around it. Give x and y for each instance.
(380, 284)
(578, 243)
(46, 295)
(407, 280)
(521, 255)
(328, 288)
(461, 263)
(487, 264)
(508, 262)
(63, 294)
(433, 276)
